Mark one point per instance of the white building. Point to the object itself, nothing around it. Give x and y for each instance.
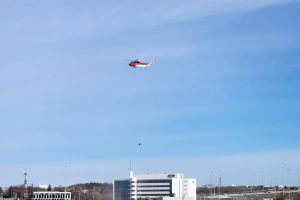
(51, 195)
(155, 186)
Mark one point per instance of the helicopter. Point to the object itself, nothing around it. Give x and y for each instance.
(136, 63)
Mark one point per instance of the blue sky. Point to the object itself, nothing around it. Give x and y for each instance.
(223, 93)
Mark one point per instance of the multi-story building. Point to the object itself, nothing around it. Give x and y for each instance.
(49, 195)
(155, 186)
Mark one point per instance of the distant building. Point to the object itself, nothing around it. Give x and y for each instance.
(155, 186)
(51, 196)
(43, 186)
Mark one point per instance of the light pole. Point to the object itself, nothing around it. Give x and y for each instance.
(298, 180)
(287, 182)
(65, 166)
(213, 181)
(282, 172)
(251, 175)
(220, 183)
(275, 179)
(210, 182)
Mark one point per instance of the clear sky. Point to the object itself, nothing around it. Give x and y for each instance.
(223, 94)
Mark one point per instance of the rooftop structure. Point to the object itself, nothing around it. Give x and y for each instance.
(51, 195)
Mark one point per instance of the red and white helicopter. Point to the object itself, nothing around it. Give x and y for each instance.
(137, 63)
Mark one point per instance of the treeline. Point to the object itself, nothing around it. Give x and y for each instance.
(92, 191)
(82, 191)
(17, 191)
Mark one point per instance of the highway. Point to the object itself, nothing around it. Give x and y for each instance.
(249, 195)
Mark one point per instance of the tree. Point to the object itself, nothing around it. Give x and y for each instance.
(49, 188)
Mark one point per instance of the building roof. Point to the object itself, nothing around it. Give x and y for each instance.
(157, 176)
